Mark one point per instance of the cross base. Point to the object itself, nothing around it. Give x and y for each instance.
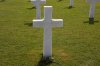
(91, 20)
(47, 59)
(70, 7)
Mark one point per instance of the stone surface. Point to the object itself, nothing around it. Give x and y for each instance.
(37, 4)
(92, 1)
(47, 23)
(92, 9)
(71, 3)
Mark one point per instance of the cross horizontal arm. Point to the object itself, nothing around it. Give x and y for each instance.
(57, 22)
(92, 1)
(38, 23)
(41, 1)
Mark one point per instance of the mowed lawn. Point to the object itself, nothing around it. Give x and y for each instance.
(77, 43)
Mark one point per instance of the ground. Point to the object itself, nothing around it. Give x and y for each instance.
(77, 43)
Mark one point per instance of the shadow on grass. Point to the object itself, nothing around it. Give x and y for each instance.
(59, 0)
(69, 7)
(43, 63)
(32, 8)
(91, 22)
(2, 0)
(29, 1)
(28, 24)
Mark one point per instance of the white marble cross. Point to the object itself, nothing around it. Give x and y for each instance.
(71, 3)
(92, 7)
(37, 4)
(47, 23)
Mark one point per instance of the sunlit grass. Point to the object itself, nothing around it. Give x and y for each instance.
(76, 44)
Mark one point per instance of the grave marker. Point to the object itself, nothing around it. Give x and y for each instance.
(37, 4)
(71, 3)
(47, 23)
(92, 9)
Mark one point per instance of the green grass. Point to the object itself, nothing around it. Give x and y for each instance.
(76, 44)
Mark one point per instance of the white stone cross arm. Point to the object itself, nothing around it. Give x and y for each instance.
(41, 23)
(92, 1)
(57, 23)
(38, 23)
(48, 19)
(40, 1)
(47, 23)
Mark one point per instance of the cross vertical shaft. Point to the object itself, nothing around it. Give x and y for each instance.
(48, 31)
(92, 9)
(71, 3)
(37, 4)
(38, 10)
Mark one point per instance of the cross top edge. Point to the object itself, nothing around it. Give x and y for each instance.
(47, 6)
